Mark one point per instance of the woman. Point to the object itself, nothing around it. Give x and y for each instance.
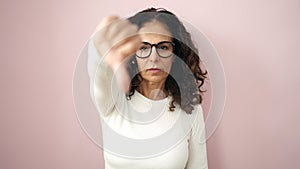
(145, 81)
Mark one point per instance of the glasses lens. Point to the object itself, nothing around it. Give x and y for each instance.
(165, 49)
(144, 50)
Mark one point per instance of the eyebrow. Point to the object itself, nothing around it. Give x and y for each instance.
(144, 42)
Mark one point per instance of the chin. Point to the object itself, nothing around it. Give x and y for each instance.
(155, 79)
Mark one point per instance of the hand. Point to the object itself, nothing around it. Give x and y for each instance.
(117, 39)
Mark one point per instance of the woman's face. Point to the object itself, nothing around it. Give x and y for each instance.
(155, 68)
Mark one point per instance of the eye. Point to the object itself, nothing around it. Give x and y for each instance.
(144, 47)
(164, 47)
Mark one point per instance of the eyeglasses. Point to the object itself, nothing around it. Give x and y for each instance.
(164, 49)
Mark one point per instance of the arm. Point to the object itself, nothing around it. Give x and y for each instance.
(101, 76)
(197, 143)
(114, 41)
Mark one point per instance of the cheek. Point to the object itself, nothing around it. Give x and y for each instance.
(141, 64)
(168, 65)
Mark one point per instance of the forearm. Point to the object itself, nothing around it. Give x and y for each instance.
(101, 76)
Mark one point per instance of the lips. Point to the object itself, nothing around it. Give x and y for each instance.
(154, 70)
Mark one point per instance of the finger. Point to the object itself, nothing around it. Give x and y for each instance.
(119, 32)
(106, 21)
(125, 49)
(101, 41)
(130, 46)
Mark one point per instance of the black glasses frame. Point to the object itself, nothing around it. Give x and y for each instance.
(146, 43)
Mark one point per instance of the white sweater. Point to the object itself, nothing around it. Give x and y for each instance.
(141, 133)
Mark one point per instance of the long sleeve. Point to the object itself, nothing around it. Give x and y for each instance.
(103, 89)
(197, 143)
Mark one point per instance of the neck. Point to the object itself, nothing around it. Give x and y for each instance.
(153, 91)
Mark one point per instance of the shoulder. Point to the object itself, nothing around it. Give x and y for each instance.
(197, 109)
(197, 112)
(197, 120)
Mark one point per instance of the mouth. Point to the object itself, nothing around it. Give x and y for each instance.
(154, 70)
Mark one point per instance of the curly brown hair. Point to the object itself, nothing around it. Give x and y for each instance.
(186, 77)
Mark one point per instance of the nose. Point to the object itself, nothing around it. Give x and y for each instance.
(154, 55)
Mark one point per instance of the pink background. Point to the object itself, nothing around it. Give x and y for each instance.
(258, 43)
